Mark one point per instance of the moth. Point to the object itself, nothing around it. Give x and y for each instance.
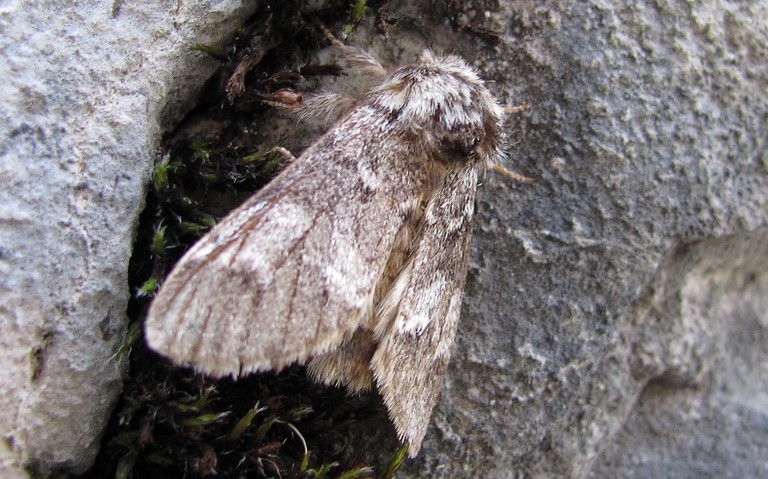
(354, 257)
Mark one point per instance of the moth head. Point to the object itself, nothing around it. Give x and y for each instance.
(442, 102)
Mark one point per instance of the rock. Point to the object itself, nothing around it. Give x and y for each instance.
(88, 89)
(615, 322)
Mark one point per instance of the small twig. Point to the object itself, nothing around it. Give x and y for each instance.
(301, 438)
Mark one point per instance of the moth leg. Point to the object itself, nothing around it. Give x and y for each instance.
(327, 107)
(357, 57)
(363, 61)
(283, 99)
(282, 151)
(516, 108)
(512, 174)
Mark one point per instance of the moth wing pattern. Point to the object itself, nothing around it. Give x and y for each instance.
(267, 286)
(414, 345)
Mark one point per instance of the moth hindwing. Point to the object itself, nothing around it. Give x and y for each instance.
(354, 257)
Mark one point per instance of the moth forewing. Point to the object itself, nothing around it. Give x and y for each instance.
(355, 255)
(289, 274)
(415, 344)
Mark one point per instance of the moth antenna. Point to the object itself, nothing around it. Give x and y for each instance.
(326, 107)
(500, 169)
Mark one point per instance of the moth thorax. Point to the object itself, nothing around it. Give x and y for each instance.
(443, 104)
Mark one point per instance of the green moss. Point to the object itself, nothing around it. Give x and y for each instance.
(158, 240)
(355, 15)
(160, 175)
(395, 462)
(149, 287)
(170, 422)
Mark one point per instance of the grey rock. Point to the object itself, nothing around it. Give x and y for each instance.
(88, 88)
(615, 322)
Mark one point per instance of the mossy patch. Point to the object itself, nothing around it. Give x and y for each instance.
(171, 422)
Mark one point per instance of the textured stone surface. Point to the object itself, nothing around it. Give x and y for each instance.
(616, 313)
(615, 323)
(87, 90)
